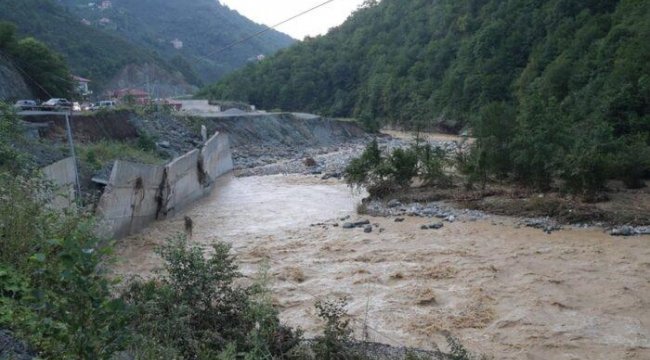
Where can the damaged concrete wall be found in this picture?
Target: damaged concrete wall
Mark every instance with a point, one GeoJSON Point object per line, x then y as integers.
{"type": "Point", "coordinates": [183, 184]}
{"type": "Point", "coordinates": [138, 194]}
{"type": "Point", "coordinates": [62, 175]}
{"type": "Point", "coordinates": [217, 159]}
{"type": "Point", "coordinates": [130, 199]}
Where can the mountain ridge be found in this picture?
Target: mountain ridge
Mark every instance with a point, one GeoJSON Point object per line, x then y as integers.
{"type": "Point", "coordinates": [109, 58]}
{"type": "Point", "coordinates": [191, 31]}
{"type": "Point", "coordinates": [440, 62]}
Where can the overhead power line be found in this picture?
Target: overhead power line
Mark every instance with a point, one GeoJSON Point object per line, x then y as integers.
{"type": "Point", "coordinates": [261, 32]}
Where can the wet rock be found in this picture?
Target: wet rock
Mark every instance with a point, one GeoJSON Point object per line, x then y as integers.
{"type": "Point", "coordinates": [624, 231]}
{"type": "Point", "coordinates": [545, 224]}
{"type": "Point", "coordinates": [424, 227]}
{"type": "Point", "coordinates": [328, 176]}
{"type": "Point", "coordinates": [345, 218]}
{"type": "Point", "coordinates": [348, 225]}
{"type": "Point", "coordinates": [394, 203]}
{"type": "Point", "coordinates": [399, 220]}
{"type": "Point", "coordinates": [310, 162]}
{"type": "Point", "coordinates": [436, 226]}
{"type": "Point", "coordinates": [367, 229]}
{"type": "Point", "coordinates": [361, 222]}
{"type": "Point", "coordinates": [643, 230]}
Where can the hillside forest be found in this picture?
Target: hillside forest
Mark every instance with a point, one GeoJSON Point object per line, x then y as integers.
{"type": "Point", "coordinates": [103, 44]}
{"type": "Point", "coordinates": [550, 89]}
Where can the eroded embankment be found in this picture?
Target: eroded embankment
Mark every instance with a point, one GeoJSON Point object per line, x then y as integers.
{"type": "Point", "coordinates": [256, 139]}
{"type": "Point", "coordinates": [507, 291]}
{"type": "Point", "coordinates": [262, 139]}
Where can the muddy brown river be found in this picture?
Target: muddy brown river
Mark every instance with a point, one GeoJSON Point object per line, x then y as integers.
{"type": "Point", "coordinates": [512, 293]}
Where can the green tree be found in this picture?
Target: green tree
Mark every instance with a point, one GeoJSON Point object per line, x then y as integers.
{"type": "Point", "coordinates": [494, 130]}
{"type": "Point", "coordinates": [540, 142]}
{"type": "Point", "coordinates": [588, 161]}
{"type": "Point", "coordinates": [7, 34]}
{"type": "Point", "coordinates": [48, 74]}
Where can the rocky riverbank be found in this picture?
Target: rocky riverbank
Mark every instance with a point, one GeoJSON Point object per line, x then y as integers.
{"type": "Point", "coordinates": [547, 213]}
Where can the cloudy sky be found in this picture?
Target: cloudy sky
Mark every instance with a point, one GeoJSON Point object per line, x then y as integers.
{"type": "Point", "coordinates": [271, 12]}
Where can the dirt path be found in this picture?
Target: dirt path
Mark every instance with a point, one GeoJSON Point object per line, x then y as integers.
{"type": "Point", "coordinates": [515, 293]}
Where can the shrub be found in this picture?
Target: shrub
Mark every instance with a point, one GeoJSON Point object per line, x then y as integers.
{"type": "Point", "coordinates": [358, 171]}
{"type": "Point", "coordinates": [334, 343]}
{"type": "Point", "coordinates": [54, 294]}
{"type": "Point", "coordinates": [196, 308]}
{"type": "Point", "coordinates": [10, 134]}
{"type": "Point", "coordinates": [402, 166]}
{"type": "Point", "coordinates": [146, 142]}
{"type": "Point", "coordinates": [432, 163]}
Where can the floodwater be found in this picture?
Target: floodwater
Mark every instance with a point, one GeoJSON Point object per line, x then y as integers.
{"type": "Point", "coordinates": [508, 292]}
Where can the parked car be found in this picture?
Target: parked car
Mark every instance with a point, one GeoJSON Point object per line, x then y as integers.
{"type": "Point", "coordinates": [25, 105]}
{"type": "Point", "coordinates": [57, 104]}
{"type": "Point", "coordinates": [107, 104]}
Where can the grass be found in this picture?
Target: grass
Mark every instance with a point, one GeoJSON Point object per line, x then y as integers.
{"type": "Point", "coordinates": [97, 154]}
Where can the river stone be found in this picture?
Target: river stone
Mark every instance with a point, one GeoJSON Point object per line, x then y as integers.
{"type": "Point", "coordinates": [361, 222]}
{"type": "Point", "coordinates": [436, 226]}
{"type": "Point", "coordinates": [348, 225]}
{"type": "Point", "coordinates": [165, 144]}
{"type": "Point", "coordinates": [623, 231]}
{"type": "Point", "coordinates": [394, 203]}
{"type": "Point", "coordinates": [367, 229]}
{"type": "Point", "coordinates": [643, 230]}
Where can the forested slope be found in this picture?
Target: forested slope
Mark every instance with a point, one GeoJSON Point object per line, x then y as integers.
{"type": "Point", "coordinates": [442, 61]}
{"type": "Point", "coordinates": [28, 67]}
{"type": "Point", "coordinates": [203, 27]}
{"type": "Point", "coordinates": [88, 52]}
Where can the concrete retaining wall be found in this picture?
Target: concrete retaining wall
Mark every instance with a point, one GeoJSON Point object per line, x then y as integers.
{"type": "Point", "coordinates": [138, 194]}
{"type": "Point", "coordinates": [217, 159]}
{"type": "Point", "coordinates": [62, 175]}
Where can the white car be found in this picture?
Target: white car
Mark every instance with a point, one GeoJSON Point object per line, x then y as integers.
{"type": "Point", "coordinates": [107, 104]}
{"type": "Point", "coordinates": [57, 104]}
{"type": "Point", "coordinates": [25, 105]}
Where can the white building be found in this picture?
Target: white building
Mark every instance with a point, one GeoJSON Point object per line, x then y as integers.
{"type": "Point", "coordinates": [177, 44]}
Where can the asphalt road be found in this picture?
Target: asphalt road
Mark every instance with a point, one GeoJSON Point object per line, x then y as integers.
{"type": "Point", "coordinates": [42, 113]}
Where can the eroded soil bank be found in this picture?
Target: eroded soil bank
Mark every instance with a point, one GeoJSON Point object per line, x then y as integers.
{"type": "Point", "coordinates": [510, 292]}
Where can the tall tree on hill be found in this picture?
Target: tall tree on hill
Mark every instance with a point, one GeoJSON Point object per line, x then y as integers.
{"type": "Point", "coordinates": [46, 72]}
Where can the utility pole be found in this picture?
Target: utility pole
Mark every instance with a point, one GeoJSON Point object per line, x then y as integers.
{"type": "Point", "coordinates": [68, 130]}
